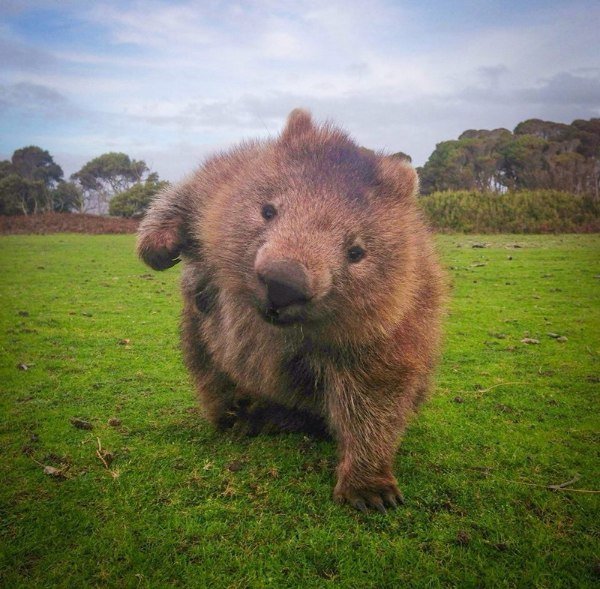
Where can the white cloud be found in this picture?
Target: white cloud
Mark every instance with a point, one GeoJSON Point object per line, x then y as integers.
{"type": "Point", "coordinates": [153, 76]}
{"type": "Point", "coordinates": [153, 24]}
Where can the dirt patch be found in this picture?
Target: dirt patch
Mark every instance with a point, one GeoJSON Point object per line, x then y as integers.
{"type": "Point", "coordinates": [66, 223]}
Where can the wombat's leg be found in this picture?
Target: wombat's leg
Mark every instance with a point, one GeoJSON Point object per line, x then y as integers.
{"type": "Point", "coordinates": [217, 398]}
{"type": "Point", "coordinates": [264, 416]}
{"type": "Point", "coordinates": [163, 234]}
{"type": "Point", "coordinates": [367, 426]}
{"type": "Point", "coordinates": [297, 421]}
{"type": "Point", "coordinates": [216, 392]}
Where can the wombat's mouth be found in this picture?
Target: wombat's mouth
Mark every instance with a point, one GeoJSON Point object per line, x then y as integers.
{"type": "Point", "coordinates": [282, 317]}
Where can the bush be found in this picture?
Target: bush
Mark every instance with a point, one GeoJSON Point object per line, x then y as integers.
{"type": "Point", "coordinates": [135, 201]}
{"type": "Point", "coordinates": [526, 211]}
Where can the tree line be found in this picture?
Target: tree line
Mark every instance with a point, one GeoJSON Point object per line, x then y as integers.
{"type": "Point", "coordinates": [32, 182]}
{"type": "Point", "coordinates": [537, 155]}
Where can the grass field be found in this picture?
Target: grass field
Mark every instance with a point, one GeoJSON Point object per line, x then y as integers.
{"type": "Point", "coordinates": [155, 498]}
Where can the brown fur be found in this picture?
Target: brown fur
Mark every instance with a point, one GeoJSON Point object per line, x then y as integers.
{"type": "Point", "coordinates": [356, 359]}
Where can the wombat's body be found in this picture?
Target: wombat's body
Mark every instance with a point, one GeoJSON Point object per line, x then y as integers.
{"type": "Point", "coordinates": [312, 294]}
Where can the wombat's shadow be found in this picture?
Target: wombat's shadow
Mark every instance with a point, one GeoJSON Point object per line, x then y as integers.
{"type": "Point", "coordinates": [193, 429]}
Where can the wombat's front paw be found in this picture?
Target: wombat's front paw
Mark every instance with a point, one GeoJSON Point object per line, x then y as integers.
{"type": "Point", "coordinates": [161, 250]}
{"type": "Point", "coordinates": [227, 420]}
{"type": "Point", "coordinates": [373, 494]}
{"type": "Point", "coordinates": [245, 418]}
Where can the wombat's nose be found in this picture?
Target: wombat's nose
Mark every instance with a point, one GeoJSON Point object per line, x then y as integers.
{"type": "Point", "coordinates": [286, 283]}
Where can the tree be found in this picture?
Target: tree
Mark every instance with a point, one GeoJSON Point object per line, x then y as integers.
{"type": "Point", "coordinates": [472, 162]}
{"type": "Point", "coordinates": [589, 147]}
{"type": "Point", "coordinates": [35, 163]}
{"type": "Point", "coordinates": [6, 169]}
{"type": "Point", "coordinates": [67, 197]}
{"type": "Point", "coordinates": [524, 162]}
{"type": "Point", "coordinates": [588, 133]}
{"type": "Point", "coordinates": [543, 129]}
{"type": "Point", "coordinates": [447, 169]}
{"type": "Point", "coordinates": [135, 201]}
{"type": "Point", "coordinates": [31, 175]}
{"type": "Point", "coordinates": [19, 196]}
{"type": "Point", "coordinates": [103, 177]}
{"type": "Point", "coordinates": [401, 156]}
{"type": "Point", "coordinates": [538, 155]}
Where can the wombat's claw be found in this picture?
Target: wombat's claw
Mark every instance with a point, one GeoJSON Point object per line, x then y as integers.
{"type": "Point", "coordinates": [377, 503]}
{"type": "Point", "coordinates": [396, 498]}
{"type": "Point", "coordinates": [391, 500]}
{"type": "Point", "coordinates": [390, 496]}
{"type": "Point", "coordinates": [360, 505]}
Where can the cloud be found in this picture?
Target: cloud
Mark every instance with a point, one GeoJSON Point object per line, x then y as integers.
{"type": "Point", "coordinates": [177, 79]}
{"type": "Point", "coordinates": [492, 74]}
{"type": "Point", "coordinates": [153, 24]}
{"type": "Point", "coordinates": [33, 99]}
{"type": "Point", "coordinates": [567, 89]}
{"type": "Point", "coordinates": [564, 90]}
{"type": "Point", "coordinates": [22, 57]}
{"type": "Point", "coordinates": [15, 7]}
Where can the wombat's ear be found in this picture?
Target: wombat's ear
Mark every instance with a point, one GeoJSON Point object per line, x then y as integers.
{"type": "Point", "coordinates": [299, 122]}
{"type": "Point", "coordinates": [398, 179]}
{"type": "Point", "coordinates": [162, 235]}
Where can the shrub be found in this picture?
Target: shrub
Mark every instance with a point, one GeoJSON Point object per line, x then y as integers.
{"type": "Point", "coordinates": [526, 211]}
{"type": "Point", "coordinates": [135, 201]}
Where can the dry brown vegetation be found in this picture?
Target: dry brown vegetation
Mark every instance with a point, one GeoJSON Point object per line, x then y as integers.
{"type": "Point", "coordinates": [65, 223]}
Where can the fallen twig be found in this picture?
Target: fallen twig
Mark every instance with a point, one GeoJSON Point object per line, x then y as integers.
{"type": "Point", "coordinates": [103, 455]}
{"type": "Point", "coordinates": [564, 485]}
{"type": "Point", "coordinates": [57, 473]}
{"type": "Point", "coordinates": [500, 384]}
{"type": "Point", "coordinates": [560, 487]}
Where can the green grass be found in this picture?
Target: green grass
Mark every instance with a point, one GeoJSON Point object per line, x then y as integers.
{"type": "Point", "coordinates": [506, 420]}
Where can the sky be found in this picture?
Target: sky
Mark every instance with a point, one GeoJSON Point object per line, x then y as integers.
{"type": "Point", "coordinates": [172, 82]}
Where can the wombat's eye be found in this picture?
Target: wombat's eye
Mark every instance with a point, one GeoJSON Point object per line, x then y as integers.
{"type": "Point", "coordinates": [356, 254]}
{"type": "Point", "coordinates": [268, 212]}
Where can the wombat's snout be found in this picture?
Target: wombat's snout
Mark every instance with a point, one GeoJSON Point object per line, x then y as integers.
{"type": "Point", "coordinates": [286, 282]}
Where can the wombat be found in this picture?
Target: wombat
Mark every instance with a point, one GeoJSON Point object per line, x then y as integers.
{"type": "Point", "coordinates": [312, 294]}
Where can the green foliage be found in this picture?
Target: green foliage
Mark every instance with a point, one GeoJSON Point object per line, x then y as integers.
{"type": "Point", "coordinates": [588, 133]}
{"type": "Point", "coordinates": [107, 175]}
{"type": "Point", "coordinates": [67, 197]}
{"type": "Point", "coordinates": [36, 164]}
{"type": "Point", "coordinates": [20, 196]}
{"type": "Point", "coordinates": [523, 160]}
{"type": "Point", "coordinates": [6, 169]}
{"type": "Point", "coordinates": [401, 156]}
{"type": "Point", "coordinates": [473, 162]}
{"type": "Point", "coordinates": [116, 170]}
{"type": "Point", "coordinates": [398, 155]}
{"type": "Point", "coordinates": [538, 155]}
{"type": "Point", "coordinates": [545, 129]}
{"type": "Point", "coordinates": [135, 201]}
{"type": "Point", "coordinates": [525, 211]}
{"type": "Point", "coordinates": [99, 335]}
{"type": "Point", "coordinates": [28, 182]}
{"type": "Point", "coordinates": [32, 183]}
